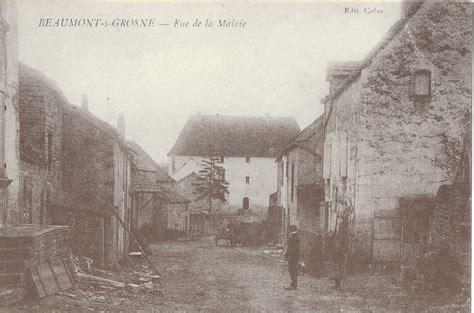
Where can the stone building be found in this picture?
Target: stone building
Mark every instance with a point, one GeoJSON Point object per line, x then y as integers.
{"type": "Point", "coordinates": [75, 170]}
{"type": "Point", "coordinates": [392, 119]}
{"type": "Point", "coordinates": [24, 248]}
{"type": "Point", "coordinates": [147, 177]}
{"type": "Point", "coordinates": [40, 145]}
{"type": "Point", "coordinates": [300, 190]}
{"type": "Point", "coordinates": [247, 147]}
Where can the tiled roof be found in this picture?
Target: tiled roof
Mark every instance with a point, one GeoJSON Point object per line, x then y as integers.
{"type": "Point", "coordinates": [32, 77]}
{"type": "Point", "coordinates": [341, 68]}
{"type": "Point", "coordinates": [144, 162]}
{"type": "Point", "coordinates": [311, 138]}
{"type": "Point", "coordinates": [169, 194]}
{"type": "Point", "coordinates": [239, 136]}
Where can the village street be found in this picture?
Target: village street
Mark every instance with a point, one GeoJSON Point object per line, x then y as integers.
{"type": "Point", "coordinates": [198, 276]}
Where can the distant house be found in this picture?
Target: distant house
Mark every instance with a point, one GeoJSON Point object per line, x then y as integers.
{"type": "Point", "coordinates": [300, 190]}
{"type": "Point", "coordinates": [147, 177]}
{"type": "Point", "coordinates": [157, 202]}
{"type": "Point", "coordinates": [247, 147]}
{"type": "Point", "coordinates": [198, 208]}
{"type": "Point", "coordinates": [173, 213]}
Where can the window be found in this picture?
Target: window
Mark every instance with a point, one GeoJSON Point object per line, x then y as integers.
{"type": "Point", "coordinates": [286, 169]}
{"type": "Point", "coordinates": [292, 182]}
{"type": "Point", "coordinates": [247, 179]}
{"type": "Point", "coordinates": [420, 89]}
{"type": "Point", "coordinates": [245, 203]}
{"type": "Point", "coordinates": [222, 159]}
{"type": "Point", "coordinates": [247, 159]}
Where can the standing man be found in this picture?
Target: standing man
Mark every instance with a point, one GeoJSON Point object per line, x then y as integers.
{"type": "Point", "coordinates": [292, 254]}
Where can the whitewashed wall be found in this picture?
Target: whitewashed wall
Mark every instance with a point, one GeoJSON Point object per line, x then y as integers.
{"type": "Point", "coordinates": [262, 173]}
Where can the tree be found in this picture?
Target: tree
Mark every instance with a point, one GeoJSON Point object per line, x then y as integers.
{"type": "Point", "coordinates": [211, 183]}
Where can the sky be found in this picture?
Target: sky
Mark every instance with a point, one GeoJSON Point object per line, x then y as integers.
{"type": "Point", "coordinates": [158, 76]}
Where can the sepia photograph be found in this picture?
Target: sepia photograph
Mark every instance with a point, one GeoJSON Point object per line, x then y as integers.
{"type": "Point", "coordinates": [235, 156]}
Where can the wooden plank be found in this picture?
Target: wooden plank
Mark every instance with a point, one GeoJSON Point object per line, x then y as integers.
{"type": "Point", "coordinates": [69, 274]}
{"type": "Point", "coordinates": [38, 284]}
{"type": "Point", "coordinates": [54, 275]}
{"type": "Point", "coordinates": [60, 272]}
{"type": "Point", "coordinates": [64, 281]}
{"type": "Point", "coordinates": [48, 279]}
{"type": "Point", "coordinates": [58, 267]}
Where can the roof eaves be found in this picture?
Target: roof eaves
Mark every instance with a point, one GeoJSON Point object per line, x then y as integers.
{"type": "Point", "coordinates": [391, 34]}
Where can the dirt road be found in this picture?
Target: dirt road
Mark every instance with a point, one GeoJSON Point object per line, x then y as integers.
{"type": "Point", "coordinates": [205, 277]}
{"type": "Point", "coordinates": [198, 276]}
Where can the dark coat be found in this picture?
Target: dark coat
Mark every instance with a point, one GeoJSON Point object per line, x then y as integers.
{"type": "Point", "coordinates": [293, 248]}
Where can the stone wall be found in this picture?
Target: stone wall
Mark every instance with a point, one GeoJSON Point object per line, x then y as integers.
{"type": "Point", "coordinates": [262, 173]}
{"type": "Point", "coordinates": [403, 143]}
{"type": "Point", "coordinates": [40, 146]}
{"type": "Point", "coordinates": [74, 165]}
{"type": "Point", "coordinates": [92, 162]}
{"type": "Point", "coordinates": [451, 222]}
{"type": "Point", "coordinates": [88, 159]}
{"type": "Point", "coordinates": [398, 146]}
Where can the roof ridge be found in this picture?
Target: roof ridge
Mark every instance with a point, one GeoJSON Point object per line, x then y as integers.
{"type": "Point", "coordinates": [239, 136]}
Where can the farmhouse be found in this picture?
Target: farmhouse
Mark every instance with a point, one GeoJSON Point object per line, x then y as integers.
{"type": "Point", "coordinates": [394, 124]}
{"type": "Point", "coordinates": [247, 147]}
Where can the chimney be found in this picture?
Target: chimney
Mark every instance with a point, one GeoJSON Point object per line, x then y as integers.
{"type": "Point", "coordinates": [409, 7]}
{"type": "Point", "coordinates": [84, 103]}
{"type": "Point", "coordinates": [121, 125]}
{"type": "Point", "coordinates": [337, 72]}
